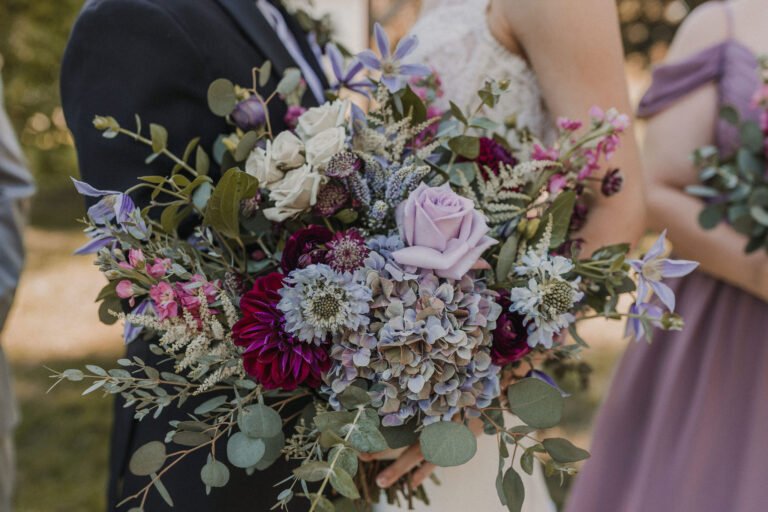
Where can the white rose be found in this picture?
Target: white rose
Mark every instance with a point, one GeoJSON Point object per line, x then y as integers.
{"type": "Point", "coordinates": [294, 194]}
{"type": "Point", "coordinates": [322, 147]}
{"type": "Point", "coordinates": [286, 151]}
{"type": "Point", "coordinates": [261, 166]}
{"type": "Point", "coordinates": [318, 119]}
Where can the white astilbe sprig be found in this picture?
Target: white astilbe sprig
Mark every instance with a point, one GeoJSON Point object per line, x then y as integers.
{"type": "Point", "coordinates": [202, 345]}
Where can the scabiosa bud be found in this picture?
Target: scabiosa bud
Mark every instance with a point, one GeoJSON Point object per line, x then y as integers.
{"type": "Point", "coordinates": [249, 114]}
{"type": "Point", "coordinates": [342, 165]}
{"type": "Point", "coordinates": [347, 251]}
{"type": "Point", "coordinates": [292, 116]}
{"type": "Point", "coordinates": [612, 182]}
{"type": "Point", "coordinates": [249, 207]}
{"type": "Point", "coordinates": [331, 199]}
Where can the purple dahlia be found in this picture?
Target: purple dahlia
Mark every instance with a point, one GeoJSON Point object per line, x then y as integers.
{"type": "Point", "coordinates": [273, 357]}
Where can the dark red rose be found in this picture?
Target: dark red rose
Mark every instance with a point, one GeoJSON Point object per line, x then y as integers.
{"type": "Point", "coordinates": [273, 358]}
{"type": "Point", "coordinates": [510, 338]}
{"type": "Point", "coordinates": [305, 247]}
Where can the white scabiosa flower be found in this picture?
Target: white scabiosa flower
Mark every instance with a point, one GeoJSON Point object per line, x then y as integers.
{"type": "Point", "coordinates": [548, 299]}
{"type": "Point", "coordinates": [318, 302]}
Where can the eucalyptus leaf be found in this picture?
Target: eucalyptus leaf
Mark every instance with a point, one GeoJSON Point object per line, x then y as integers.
{"type": "Point", "coordinates": [159, 137]}
{"type": "Point", "coordinates": [536, 403]}
{"type": "Point", "coordinates": [343, 483]}
{"type": "Point", "coordinates": [259, 421]}
{"type": "Point", "coordinates": [711, 216]}
{"type": "Point", "coordinates": [514, 490]}
{"type": "Point", "coordinates": [400, 436]}
{"type": "Point", "coordinates": [367, 438]}
{"type": "Point", "coordinates": [354, 397]}
{"type": "Point", "coordinates": [289, 82]}
{"type": "Point", "coordinates": [148, 459]}
{"type": "Point", "coordinates": [273, 450]}
{"type": "Point", "coordinates": [562, 450]}
{"type": "Point", "coordinates": [192, 439]}
{"type": "Point", "coordinates": [202, 162]}
{"type": "Point", "coordinates": [221, 97]}
{"type": "Point", "coordinates": [752, 136]}
{"type": "Point", "coordinates": [730, 114]}
{"type": "Point", "coordinates": [466, 146]}
{"type": "Point", "coordinates": [446, 444]}
{"type": "Point", "coordinates": [243, 451]}
{"type": "Point", "coordinates": [215, 474]}
{"type": "Point", "coordinates": [246, 145]}
{"type": "Point", "coordinates": [264, 73]}
{"type": "Point", "coordinates": [73, 375]}
{"type": "Point", "coordinates": [345, 458]}
{"type": "Point", "coordinates": [210, 405]}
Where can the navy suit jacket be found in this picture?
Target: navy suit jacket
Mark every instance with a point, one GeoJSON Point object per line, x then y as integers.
{"type": "Point", "coordinates": [156, 58]}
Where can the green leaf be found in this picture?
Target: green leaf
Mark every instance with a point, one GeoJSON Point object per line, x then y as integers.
{"type": "Point", "coordinates": [536, 403]}
{"type": "Point", "coordinates": [313, 471]}
{"type": "Point", "coordinates": [161, 489]}
{"type": "Point", "coordinates": [711, 216]}
{"type": "Point", "coordinates": [367, 438]}
{"type": "Point", "coordinates": [750, 164]}
{"type": "Point", "coordinates": [463, 173]}
{"type": "Point", "coordinates": [701, 191]}
{"type": "Point", "coordinates": [466, 146]}
{"type": "Point", "coordinates": [273, 450]}
{"type": "Point", "coordinates": [400, 436]}
{"type": "Point", "coordinates": [526, 461]}
{"type": "Point", "coordinates": [223, 211]}
{"type": "Point", "coordinates": [514, 490]}
{"type": "Point", "coordinates": [354, 397]}
{"type": "Point", "coordinates": [107, 307]}
{"type": "Point", "coordinates": [347, 216]}
{"type": "Point", "coordinates": [243, 451]}
{"type": "Point", "coordinates": [246, 145]}
{"type": "Point", "coordinates": [210, 405]}
{"type": "Point", "coordinates": [561, 211]}
{"type": "Point", "coordinates": [562, 450]}
{"type": "Point", "coordinates": [264, 73]}
{"type": "Point", "coordinates": [457, 113]}
{"type": "Point", "coordinates": [752, 137]}
{"type": "Point", "coordinates": [202, 162]}
{"type": "Point", "coordinates": [323, 504]}
{"type": "Point", "coordinates": [259, 421]}
{"type": "Point", "coordinates": [187, 438]}
{"type": "Point", "coordinates": [346, 458]}
{"type": "Point", "coordinates": [413, 105]}
{"type": "Point", "coordinates": [289, 82]}
{"type": "Point", "coordinates": [221, 97]}
{"type": "Point", "coordinates": [201, 195]}
{"type": "Point", "coordinates": [730, 114]}
{"type": "Point", "coordinates": [507, 256]}
{"type": "Point", "coordinates": [159, 137]}
{"type": "Point", "coordinates": [343, 483]}
{"type": "Point", "coordinates": [446, 444]}
{"type": "Point", "coordinates": [148, 459]}
{"type": "Point", "coordinates": [73, 375]}
{"type": "Point", "coordinates": [215, 474]}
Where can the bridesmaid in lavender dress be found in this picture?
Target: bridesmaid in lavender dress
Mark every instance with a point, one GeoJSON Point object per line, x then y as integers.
{"type": "Point", "coordinates": [684, 427]}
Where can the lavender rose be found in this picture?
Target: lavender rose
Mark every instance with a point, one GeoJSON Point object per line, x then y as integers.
{"type": "Point", "coordinates": [442, 231]}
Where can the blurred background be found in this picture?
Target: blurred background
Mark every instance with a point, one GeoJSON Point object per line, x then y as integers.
{"type": "Point", "coordinates": [54, 322]}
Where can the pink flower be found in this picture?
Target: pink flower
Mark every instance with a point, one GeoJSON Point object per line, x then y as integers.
{"type": "Point", "coordinates": [292, 116]}
{"type": "Point", "coordinates": [188, 293]}
{"type": "Point", "coordinates": [597, 114]}
{"type": "Point", "coordinates": [136, 258]}
{"type": "Point", "coordinates": [557, 183]}
{"type": "Point", "coordinates": [570, 125]}
{"type": "Point", "coordinates": [124, 290]}
{"type": "Point", "coordinates": [442, 230]}
{"type": "Point", "coordinates": [159, 268]}
{"type": "Point", "coordinates": [164, 297]}
{"type": "Point", "coordinates": [541, 153]}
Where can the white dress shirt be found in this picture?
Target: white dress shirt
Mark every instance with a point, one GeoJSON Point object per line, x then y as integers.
{"type": "Point", "coordinates": [277, 22]}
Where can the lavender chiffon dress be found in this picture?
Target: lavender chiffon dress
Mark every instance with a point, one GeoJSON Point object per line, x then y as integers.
{"type": "Point", "coordinates": [685, 426]}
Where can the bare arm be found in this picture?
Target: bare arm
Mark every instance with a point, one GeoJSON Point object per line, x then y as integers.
{"type": "Point", "coordinates": [575, 50]}
{"type": "Point", "coordinates": [671, 138]}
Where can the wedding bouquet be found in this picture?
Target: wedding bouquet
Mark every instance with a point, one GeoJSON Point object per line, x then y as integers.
{"type": "Point", "coordinates": [736, 187]}
{"type": "Point", "coordinates": [389, 268]}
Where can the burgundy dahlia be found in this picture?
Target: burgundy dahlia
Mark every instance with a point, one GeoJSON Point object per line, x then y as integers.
{"type": "Point", "coordinates": [305, 247]}
{"type": "Point", "coordinates": [274, 358]}
{"type": "Point", "coordinates": [492, 155]}
{"type": "Point", "coordinates": [510, 339]}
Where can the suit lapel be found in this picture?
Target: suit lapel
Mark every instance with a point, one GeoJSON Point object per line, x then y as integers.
{"type": "Point", "coordinates": [257, 29]}
{"type": "Point", "coordinates": [301, 38]}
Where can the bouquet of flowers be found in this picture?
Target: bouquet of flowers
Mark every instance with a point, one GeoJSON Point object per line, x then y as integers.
{"type": "Point", "coordinates": [389, 268]}
{"type": "Point", "coordinates": [735, 188]}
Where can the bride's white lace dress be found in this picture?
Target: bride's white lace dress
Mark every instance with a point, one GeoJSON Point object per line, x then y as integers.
{"type": "Point", "coordinates": [454, 39]}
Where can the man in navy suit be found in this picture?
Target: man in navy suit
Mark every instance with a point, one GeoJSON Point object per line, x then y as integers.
{"type": "Point", "coordinates": [156, 58]}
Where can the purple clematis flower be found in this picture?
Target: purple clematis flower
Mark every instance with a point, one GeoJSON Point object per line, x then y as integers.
{"type": "Point", "coordinates": [346, 77]}
{"type": "Point", "coordinates": [115, 206]}
{"type": "Point", "coordinates": [393, 70]}
{"type": "Point", "coordinates": [636, 328]}
{"type": "Point", "coordinates": [652, 268]}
